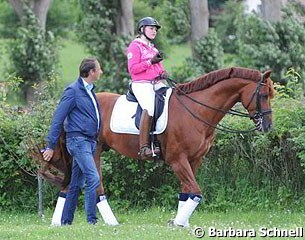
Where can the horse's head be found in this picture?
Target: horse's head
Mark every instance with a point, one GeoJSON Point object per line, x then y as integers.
{"type": "Point", "coordinates": [256, 99]}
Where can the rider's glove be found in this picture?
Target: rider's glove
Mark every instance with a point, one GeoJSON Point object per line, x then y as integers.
{"type": "Point", "coordinates": [164, 75]}
{"type": "Point", "coordinates": [157, 58]}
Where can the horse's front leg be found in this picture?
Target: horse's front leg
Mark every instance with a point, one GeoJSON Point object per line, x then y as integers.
{"type": "Point", "coordinates": [102, 202]}
{"type": "Point", "coordinates": [190, 196]}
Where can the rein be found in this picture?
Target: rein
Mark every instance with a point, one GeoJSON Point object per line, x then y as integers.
{"type": "Point", "coordinates": [257, 116]}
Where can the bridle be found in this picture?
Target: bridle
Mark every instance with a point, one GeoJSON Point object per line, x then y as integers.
{"type": "Point", "coordinates": [258, 116]}
{"type": "Point", "coordinates": [259, 113]}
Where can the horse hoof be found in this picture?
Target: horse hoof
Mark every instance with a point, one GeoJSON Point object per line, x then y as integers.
{"type": "Point", "coordinates": [171, 223]}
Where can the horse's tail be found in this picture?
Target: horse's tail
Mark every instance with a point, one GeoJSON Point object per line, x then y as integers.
{"type": "Point", "coordinates": [58, 170]}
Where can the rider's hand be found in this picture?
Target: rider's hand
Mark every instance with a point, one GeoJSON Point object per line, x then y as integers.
{"type": "Point", "coordinates": [164, 75]}
{"type": "Point", "coordinates": [48, 154]}
{"type": "Point", "coordinates": [157, 58]}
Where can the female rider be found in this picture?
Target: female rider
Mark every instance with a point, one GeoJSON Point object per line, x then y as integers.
{"type": "Point", "coordinates": [147, 72]}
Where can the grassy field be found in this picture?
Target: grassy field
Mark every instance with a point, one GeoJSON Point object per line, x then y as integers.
{"type": "Point", "coordinates": [70, 55]}
{"type": "Point", "coordinates": [144, 225]}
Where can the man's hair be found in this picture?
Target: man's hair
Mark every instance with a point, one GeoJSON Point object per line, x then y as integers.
{"type": "Point", "coordinates": [86, 65]}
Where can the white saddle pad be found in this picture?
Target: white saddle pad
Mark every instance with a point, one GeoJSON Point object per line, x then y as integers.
{"type": "Point", "coordinates": [122, 120]}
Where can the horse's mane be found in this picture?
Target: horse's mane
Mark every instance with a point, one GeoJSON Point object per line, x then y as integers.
{"type": "Point", "coordinates": [214, 77]}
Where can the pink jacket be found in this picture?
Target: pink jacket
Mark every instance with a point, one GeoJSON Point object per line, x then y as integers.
{"type": "Point", "coordinates": [139, 55]}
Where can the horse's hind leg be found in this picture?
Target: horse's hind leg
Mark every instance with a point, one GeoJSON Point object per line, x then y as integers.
{"type": "Point", "coordinates": [97, 159]}
{"type": "Point", "coordinates": [190, 196]}
{"type": "Point", "coordinates": [102, 203]}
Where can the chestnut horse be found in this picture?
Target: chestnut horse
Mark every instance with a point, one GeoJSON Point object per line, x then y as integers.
{"type": "Point", "coordinates": [195, 109]}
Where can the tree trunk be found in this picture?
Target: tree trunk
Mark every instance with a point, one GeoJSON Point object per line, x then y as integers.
{"type": "Point", "coordinates": [271, 9]}
{"type": "Point", "coordinates": [199, 20]}
{"type": "Point", "coordinates": [125, 19]}
{"type": "Point", "coordinates": [39, 7]}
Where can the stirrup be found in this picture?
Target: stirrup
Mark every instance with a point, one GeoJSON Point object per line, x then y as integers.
{"type": "Point", "coordinates": [155, 150]}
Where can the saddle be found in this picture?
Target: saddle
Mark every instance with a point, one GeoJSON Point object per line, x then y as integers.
{"type": "Point", "coordinates": [159, 106]}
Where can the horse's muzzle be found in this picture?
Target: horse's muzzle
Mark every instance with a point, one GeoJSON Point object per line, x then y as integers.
{"type": "Point", "coordinates": [267, 127]}
{"type": "Point", "coordinates": [263, 121]}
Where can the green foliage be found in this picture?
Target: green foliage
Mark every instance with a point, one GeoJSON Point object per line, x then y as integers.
{"type": "Point", "coordinates": [8, 20]}
{"type": "Point", "coordinates": [246, 171]}
{"type": "Point", "coordinates": [186, 71]}
{"type": "Point", "coordinates": [258, 45]}
{"type": "Point", "coordinates": [63, 17]}
{"type": "Point", "coordinates": [98, 32]}
{"type": "Point", "coordinates": [153, 181]}
{"type": "Point", "coordinates": [209, 52]}
{"type": "Point", "coordinates": [208, 57]}
{"type": "Point", "coordinates": [226, 24]}
{"type": "Point", "coordinates": [261, 44]}
{"type": "Point", "coordinates": [291, 41]}
{"type": "Point", "coordinates": [177, 20]}
{"type": "Point", "coordinates": [33, 53]}
{"type": "Point", "coordinates": [258, 170]}
{"type": "Point", "coordinates": [278, 46]}
{"type": "Point", "coordinates": [20, 131]}
{"type": "Point", "coordinates": [293, 88]}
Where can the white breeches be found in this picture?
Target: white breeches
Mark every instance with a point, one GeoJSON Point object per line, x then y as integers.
{"type": "Point", "coordinates": [145, 94]}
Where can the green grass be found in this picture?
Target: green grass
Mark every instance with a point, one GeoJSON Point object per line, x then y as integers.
{"type": "Point", "coordinates": [144, 225]}
{"type": "Point", "coordinates": [70, 56]}
{"type": "Point", "coordinates": [176, 56]}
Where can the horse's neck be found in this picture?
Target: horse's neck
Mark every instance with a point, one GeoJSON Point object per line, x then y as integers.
{"type": "Point", "coordinates": [223, 95]}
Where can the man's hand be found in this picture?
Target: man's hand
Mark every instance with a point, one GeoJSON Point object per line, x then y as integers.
{"type": "Point", "coordinates": [157, 58]}
{"type": "Point", "coordinates": [48, 154]}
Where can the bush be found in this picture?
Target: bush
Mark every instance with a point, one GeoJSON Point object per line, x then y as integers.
{"type": "Point", "coordinates": [208, 57]}
{"type": "Point", "coordinates": [33, 53]}
{"type": "Point", "coordinates": [63, 17]}
{"type": "Point", "coordinates": [226, 25]}
{"type": "Point", "coordinates": [278, 46]}
{"type": "Point", "coordinates": [209, 52]}
{"type": "Point", "coordinates": [244, 171]}
{"type": "Point", "coordinates": [21, 129]}
{"type": "Point", "coordinates": [257, 170]}
{"type": "Point", "coordinates": [138, 183]}
{"type": "Point", "coordinates": [177, 21]}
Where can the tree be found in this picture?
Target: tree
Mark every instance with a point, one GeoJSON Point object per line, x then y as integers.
{"type": "Point", "coordinates": [125, 18]}
{"type": "Point", "coordinates": [199, 20]}
{"type": "Point", "coordinates": [106, 33]}
{"type": "Point", "coordinates": [39, 7]}
{"type": "Point", "coordinates": [271, 9]}
{"type": "Point", "coordinates": [32, 51]}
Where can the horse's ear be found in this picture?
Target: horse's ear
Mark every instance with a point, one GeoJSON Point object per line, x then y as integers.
{"type": "Point", "coordinates": [267, 74]}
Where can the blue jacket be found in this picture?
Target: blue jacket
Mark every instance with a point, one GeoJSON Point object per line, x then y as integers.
{"type": "Point", "coordinates": [76, 113]}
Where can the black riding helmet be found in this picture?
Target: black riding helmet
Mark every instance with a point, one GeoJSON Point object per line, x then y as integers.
{"type": "Point", "coordinates": [147, 21]}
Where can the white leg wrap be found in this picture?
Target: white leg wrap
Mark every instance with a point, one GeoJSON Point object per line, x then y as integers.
{"type": "Point", "coordinates": [106, 212]}
{"type": "Point", "coordinates": [185, 212]}
{"type": "Point", "coordinates": [180, 206]}
{"type": "Point", "coordinates": [56, 219]}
